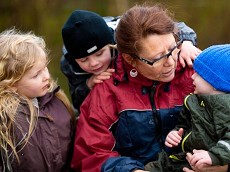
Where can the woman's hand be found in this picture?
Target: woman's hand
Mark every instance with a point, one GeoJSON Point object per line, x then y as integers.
{"type": "Point", "coordinates": [208, 169]}
{"type": "Point", "coordinates": [188, 53]}
{"type": "Point", "coordinates": [200, 158]}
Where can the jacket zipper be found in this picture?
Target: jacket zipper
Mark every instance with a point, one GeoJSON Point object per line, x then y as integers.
{"type": "Point", "coordinates": [155, 113]}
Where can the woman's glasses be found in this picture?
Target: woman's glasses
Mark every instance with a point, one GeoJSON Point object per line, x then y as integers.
{"type": "Point", "coordinates": [160, 59]}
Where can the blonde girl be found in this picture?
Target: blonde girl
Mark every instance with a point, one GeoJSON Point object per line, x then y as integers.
{"type": "Point", "coordinates": [36, 118]}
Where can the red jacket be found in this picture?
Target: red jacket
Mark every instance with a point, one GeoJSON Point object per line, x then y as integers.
{"type": "Point", "coordinates": [100, 145]}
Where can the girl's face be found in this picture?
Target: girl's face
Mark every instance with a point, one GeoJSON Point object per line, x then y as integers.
{"type": "Point", "coordinates": [97, 62]}
{"type": "Point", "coordinates": [163, 47]}
{"type": "Point", "coordinates": [35, 82]}
{"type": "Point", "coordinates": [202, 86]}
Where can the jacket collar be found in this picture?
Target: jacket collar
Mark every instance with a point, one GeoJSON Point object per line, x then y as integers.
{"type": "Point", "coordinates": [46, 98]}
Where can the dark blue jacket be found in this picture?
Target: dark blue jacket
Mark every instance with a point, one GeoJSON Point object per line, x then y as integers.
{"type": "Point", "coordinates": [119, 129]}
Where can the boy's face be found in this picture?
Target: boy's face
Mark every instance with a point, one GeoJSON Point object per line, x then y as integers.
{"type": "Point", "coordinates": [202, 86]}
{"type": "Point", "coordinates": [97, 62]}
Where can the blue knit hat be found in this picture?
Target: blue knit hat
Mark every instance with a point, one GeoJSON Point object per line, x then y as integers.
{"type": "Point", "coordinates": [213, 65]}
{"type": "Point", "coordinates": [84, 33]}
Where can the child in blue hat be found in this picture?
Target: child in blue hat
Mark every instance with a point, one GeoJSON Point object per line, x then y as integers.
{"type": "Point", "coordinates": [203, 127]}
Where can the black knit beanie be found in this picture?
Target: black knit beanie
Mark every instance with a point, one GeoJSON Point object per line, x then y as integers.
{"type": "Point", "coordinates": [84, 33]}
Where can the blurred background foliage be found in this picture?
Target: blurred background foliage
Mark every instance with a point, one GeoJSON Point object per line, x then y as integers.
{"type": "Point", "coordinates": [210, 20]}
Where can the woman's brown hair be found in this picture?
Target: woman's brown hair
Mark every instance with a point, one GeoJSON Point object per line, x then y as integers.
{"type": "Point", "coordinates": [139, 22]}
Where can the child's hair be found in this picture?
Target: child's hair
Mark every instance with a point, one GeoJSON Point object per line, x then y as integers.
{"type": "Point", "coordinates": [18, 53]}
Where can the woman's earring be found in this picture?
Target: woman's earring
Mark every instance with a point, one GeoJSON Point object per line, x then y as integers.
{"type": "Point", "coordinates": [133, 73]}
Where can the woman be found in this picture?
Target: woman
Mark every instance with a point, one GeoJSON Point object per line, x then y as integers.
{"type": "Point", "coordinates": [89, 49]}
{"type": "Point", "coordinates": [124, 120]}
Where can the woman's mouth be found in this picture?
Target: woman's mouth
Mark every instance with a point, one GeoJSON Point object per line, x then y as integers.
{"type": "Point", "coordinates": [166, 74]}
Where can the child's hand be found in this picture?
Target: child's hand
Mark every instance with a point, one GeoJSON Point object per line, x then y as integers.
{"type": "Point", "coordinates": [200, 158]}
{"type": "Point", "coordinates": [96, 79]}
{"type": "Point", "coordinates": [188, 53]}
{"type": "Point", "coordinates": [174, 138]}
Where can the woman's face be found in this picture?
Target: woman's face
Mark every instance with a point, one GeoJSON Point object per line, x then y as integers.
{"type": "Point", "coordinates": [162, 47]}
{"type": "Point", "coordinates": [97, 62]}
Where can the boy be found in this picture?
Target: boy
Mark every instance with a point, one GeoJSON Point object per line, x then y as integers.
{"type": "Point", "coordinates": [204, 127]}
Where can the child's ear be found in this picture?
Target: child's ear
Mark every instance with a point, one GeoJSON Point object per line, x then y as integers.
{"type": "Point", "coordinates": [14, 88]}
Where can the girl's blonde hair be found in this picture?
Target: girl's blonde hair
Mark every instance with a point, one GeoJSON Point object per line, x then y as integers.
{"type": "Point", "coordinates": [18, 53]}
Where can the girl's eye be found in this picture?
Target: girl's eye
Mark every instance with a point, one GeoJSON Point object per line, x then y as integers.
{"type": "Point", "coordinates": [40, 72]}
{"type": "Point", "coordinates": [35, 76]}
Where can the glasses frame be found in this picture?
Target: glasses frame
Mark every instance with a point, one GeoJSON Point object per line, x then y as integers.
{"type": "Point", "coordinates": [163, 56]}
